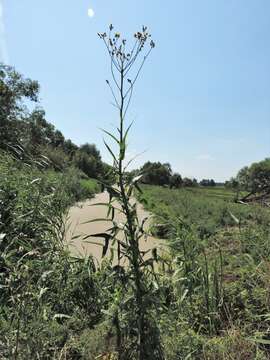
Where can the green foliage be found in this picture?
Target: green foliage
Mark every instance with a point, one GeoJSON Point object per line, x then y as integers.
{"type": "Point", "coordinates": [34, 134]}
{"type": "Point", "coordinates": [14, 89]}
{"type": "Point", "coordinates": [259, 176]}
{"type": "Point", "coordinates": [46, 296]}
{"type": "Point", "coordinates": [89, 187]}
{"type": "Point", "coordinates": [176, 181]}
{"type": "Point", "coordinates": [233, 345]}
{"type": "Point", "coordinates": [207, 182]}
{"type": "Point", "coordinates": [206, 296]}
{"type": "Point", "coordinates": [156, 173]}
{"type": "Point", "coordinates": [255, 179]}
{"type": "Point", "coordinates": [134, 308]}
{"type": "Point", "coordinates": [216, 275]}
{"type": "Point", "coordinates": [207, 209]}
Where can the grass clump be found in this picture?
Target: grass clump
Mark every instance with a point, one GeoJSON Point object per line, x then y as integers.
{"type": "Point", "coordinates": [215, 275]}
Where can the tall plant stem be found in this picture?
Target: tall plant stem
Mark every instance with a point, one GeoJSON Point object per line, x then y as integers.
{"type": "Point", "coordinates": [131, 228]}
{"type": "Point", "coordinates": [122, 62]}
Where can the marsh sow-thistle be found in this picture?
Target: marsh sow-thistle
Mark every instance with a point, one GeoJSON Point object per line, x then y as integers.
{"type": "Point", "coordinates": [126, 65]}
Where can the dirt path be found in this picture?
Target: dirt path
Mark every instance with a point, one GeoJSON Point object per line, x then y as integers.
{"type": "Point", "coordinates": [77, 229]}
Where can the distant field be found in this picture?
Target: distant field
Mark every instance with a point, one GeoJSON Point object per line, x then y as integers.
{"type": "Point", "coordinates": [218, 191]}
{"type": "Point", "coordinates": [206, 208]}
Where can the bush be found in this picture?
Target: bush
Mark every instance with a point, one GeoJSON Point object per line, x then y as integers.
{"type": "Point", "coordinates": [46, 295]}
{"type": "Point", "coordinates": [89, 188]}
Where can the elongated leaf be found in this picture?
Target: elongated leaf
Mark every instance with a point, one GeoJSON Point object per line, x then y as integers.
{"type": "Point", "coordinates": [111, 135]}
{"type": "Point", "coordinates": [99, 204]}
{"type": "Point", "coordinates": [94, 243]}
{"type": "Point", "coordinates": [184, 295]}
{"type": "Point", "coordinates": [96, 220]}
{"type": "Point", "coordinates": [109, 210]}
{"type": "Point", "coordinates": [124, 245]}
{"type": "Point", "coordinates": [137, 178]}
{"type": "Point", "coordinates": [102, 235]}
{"type": "Point", "coordinates": [110, 151]}
{"type": "Point", "coordinates": [61, 316]}
{"type": "Point", "coordinates": [139, 189]}
{"type": "Point", "coordinates": [237, 221]}
{"type": "Point", "coordinates": [106, 237]}
{"type": "Point", "coordinates": [2, 236]}
{"type": "Point", "coordinates": [113, 193]}
{"type": "Point", "coordinates": [105, 247]}
{"type": "Point", "coordinates": [113, 212]}
{"type": "Point", "coordinates": [126, 133]}
{"type": "Point", "coordinates": [259, 341]}
{"type": "Point", "coordinates": [118, 250]}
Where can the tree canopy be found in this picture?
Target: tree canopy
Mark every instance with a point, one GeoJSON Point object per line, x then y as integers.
{"type": "Point", "coordinates": [31, 130]}
{"type": "Point", "coordinates": [156, 173]}
{"type": "Point", "coordinates": [255, 179]}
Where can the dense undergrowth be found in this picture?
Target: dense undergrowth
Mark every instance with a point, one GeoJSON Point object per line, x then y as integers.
{"type": "Point", "coordinates": [217, 273]}
{"type": "Point", "coordinates": [211, 285]}
{"type": "Point", "coordinates": [45, 295]}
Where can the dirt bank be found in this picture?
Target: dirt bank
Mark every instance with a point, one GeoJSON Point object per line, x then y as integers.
{"type": "Point", "coordinates": [77, 229]}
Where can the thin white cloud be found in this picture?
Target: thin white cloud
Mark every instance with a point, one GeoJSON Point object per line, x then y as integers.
{"type": "Point", "coordinates": [3, 47]}
{"type": "Point", "coordinates": [90, 13]}
{"type": "Point", "coordinates": [205, 157]}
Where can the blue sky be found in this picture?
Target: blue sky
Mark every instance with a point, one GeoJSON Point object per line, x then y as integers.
{"type": "Point", "coordinates": [202, 102]}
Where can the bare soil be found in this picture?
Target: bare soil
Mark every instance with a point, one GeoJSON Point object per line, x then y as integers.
{"type": "Point", "coordinates": [77, 228]}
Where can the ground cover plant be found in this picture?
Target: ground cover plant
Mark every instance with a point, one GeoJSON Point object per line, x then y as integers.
{"type": "Point", "coordinates": [217, 273]}
{"type": "Point", "coordinates": [35, 291]}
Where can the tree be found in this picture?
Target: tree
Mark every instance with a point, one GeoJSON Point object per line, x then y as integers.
{"type": "Point", "coordinates": [14, 89]}
{"type": "Point", "coordinates": [208, 182]}
{"type": "Point", "coordinates": [34, 135]}
{"type": "Point", "coordinates": [86, 163]}
{"type": "Point", "coordinates": [176, 181]}
{"type": "Point", "coordinates": [70, 148]}
{"type": "Point", "coordinates": [156, 173]}
{"type": "Point", "coordinates": [233, 183]}
{"type": "Point", "coordinates": [91, 150]}
{"type": "Point", "coordinates": [195, 182]}
{"type": "Point", "coordinates": [243, 178]}
{"type": "Point", "coordinates": [88, 159]}
{"type": "Point", "coordinates": [256, 180]}
{"type": "Point", "coordinates": [187, 182]}
{"type": "Point", "coordinates": [259, 176]}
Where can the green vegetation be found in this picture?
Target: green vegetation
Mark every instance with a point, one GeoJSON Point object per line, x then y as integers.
{"type": "Point", "coordinates": [28, 130]}
{"type": "Point", "coordinates": [156, 173]}
{"type": "Point", "coordinates": [204, 294]}
{"type": "Point", "coordinates": [255, 179]}
{"type": "Point", "coordinates": [216, 273]}
{"type": "Point", "coordinates": [138, 338]}
{"type": "Point", "coordinates": [45, 295]}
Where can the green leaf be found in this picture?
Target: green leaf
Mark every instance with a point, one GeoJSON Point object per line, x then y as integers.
{"type": "Point", "coordinates": [95, 220]}
{"type": "Point", "coordinates": [259, 341]}
{"type": "Point", "coordinates": [99, 204]}
{"type": "Point", "coordinates": [61, 316]}
{"type": "Point", "coordinates": [237, 221]}
{"type": "Point", "coordinates": [140, 191]}
{"type": "Point", "coordinates": [106, 237]}
{"type": "Point", "coordinates": [126, 133]}
{"type": "Point", "coordinates": [137, 178]}
{"type": "Point", "coordinates": [111, 135]}
{"type": "Point", "coordinates": [110, 151]}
